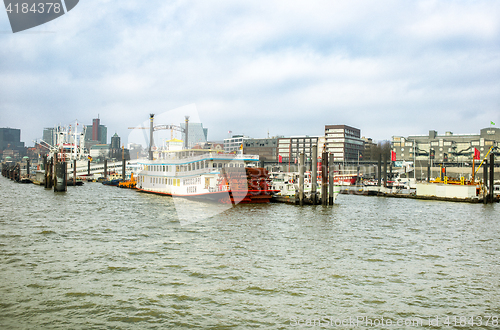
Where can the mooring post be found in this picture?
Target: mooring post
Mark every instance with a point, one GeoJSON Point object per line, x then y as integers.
{"type": "Point", "coordinates": [123, 163]}
{"type": "Point", "coordinates": [301, 178]}
{"type": "Point", "coordinates": [390, 170]}
{"type": "Point", "coordinates": [330, 179]}
{"type": "Point", "coordinates": [492, 177]}
{"type": "Point", "coordinates": [314, 174]}
{"type": "Point", "coordinates": [88, 168]}
{"type": "Point", "coordinates": [105, 168]}
{"type": "Point", "coordinates": [385, 170]}
{"type": "Point", "coordinates": [45, 171]}
{"type": "Point", "coordinates": [60, 183]}
{"type": "Point", "coordinates": [51, 173]}
{"type": "Point", "coordinates": [324, 178]}
{"type": "Point", "coordinates": [28, 168]}
{"type": "Point", "coordinates": [428, 171]}
{"type": "Point", "coordinates": [74, 172]}
{"type": "Point", "coordinates": [379, 170]}
{"type": "Point", "coordinates": [485, 182]}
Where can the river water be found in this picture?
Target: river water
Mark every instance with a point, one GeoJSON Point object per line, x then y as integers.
{"type": "Point", "coordinates": [99, 257]}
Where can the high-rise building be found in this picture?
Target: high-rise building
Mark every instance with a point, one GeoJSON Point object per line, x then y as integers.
{"type": "Point", "coordinates": [115, 142]}
{"type": "Point", "coordinates": [196, 134]}
{"type": "Point", "coordinates": [48, 135]}
{"type": "Point", "coordinates": [344, 142]}
{"type": "Point", "coordinates": [96, 134]}
{"type": "Point", "coordinates": [103, 134]}
{"type": "Point", "coordinates": [95, 129]}
{"type": "Point", "coordinates": [10, 138]}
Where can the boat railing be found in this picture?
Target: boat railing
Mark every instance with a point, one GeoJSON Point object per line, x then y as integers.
{"type": "Point", "coordinates": [212, 155]}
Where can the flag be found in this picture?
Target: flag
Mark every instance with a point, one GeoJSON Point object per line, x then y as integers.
{"type": "Point", "coordinates": [477, 155]}
{"type": "Point", "coordinates": [90, 158]}
{"type": "Point", "coordinates": [492, 123]}
{"type": "Point", "coordinates": [393, 155]}
{"type": "Point", "coordinates": [280, 159]}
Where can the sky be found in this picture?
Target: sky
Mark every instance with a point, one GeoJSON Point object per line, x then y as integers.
{"type": "Point", "coordinates": [282, 68]}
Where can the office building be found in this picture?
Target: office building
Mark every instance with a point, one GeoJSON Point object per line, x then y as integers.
{"type": "Point", "coordinates": [266, 149]}
{"type": "Point", "coordinates": [196, 134]}
{"type": "Point", "coordinates": [446, 148]}
{"type": "Point", "coordinates": [96, 134]}
{"type": "Point", "coordinates": [289, 148]}
{"type": "Point", "coordinates": [49, 135]}
{"type": "Point", "coordinates": [234, 143]}
{"type": "Point", "coordinates": [344, 142]}
{"type": "Point", "coordinates": [10, 138]}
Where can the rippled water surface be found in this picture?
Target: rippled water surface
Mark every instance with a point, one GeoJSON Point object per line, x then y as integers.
{"type": "Point", "coordinates": [99, 257]}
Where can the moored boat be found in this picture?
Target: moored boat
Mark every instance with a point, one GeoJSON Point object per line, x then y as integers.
{"type": "Point", "coordinates": [212, 176]}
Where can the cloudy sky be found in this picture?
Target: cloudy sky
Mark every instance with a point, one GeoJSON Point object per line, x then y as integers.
{"type": "Point", "coordinates": [388, 67]}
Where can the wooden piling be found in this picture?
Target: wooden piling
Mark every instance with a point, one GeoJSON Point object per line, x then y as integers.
{"type": "Point", "coordinates": [105, 168]}
{"type": "Point", "coordinates": [428, 171]}
{"type": "Point", "coordinates": [50, 177]}
{"type": "Point", "coordinates": [492, 178]}
{"type": "Point", "coordinates": [123, 163]}
{"type": "Point", "coordinates": [330, 179]}
{"type": "Point", "coordinates": [314, 174]}
{"type": "Point", "coordinates": [324, 179]}
{"type": "Point", "coordinates": [301, 178]}
{"type": "Point", "coordinates": [385, 169]}
{"type": "Point", "coordinates": [45, 171]}
{"type": "Point", "coordinates": [485, 182]}
{"type": "Point", "coordinates": [74, 173]}
{"type": "Point", "coordinates": [379, 170]}
{"type": "Point", "coordinates": [60, 177]}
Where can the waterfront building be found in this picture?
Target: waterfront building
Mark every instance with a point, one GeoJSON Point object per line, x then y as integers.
{"type": "Point", "coordinates": [289, 148]}
{"type": "Point", "coordinates": [10, 138]}
{"type": "Point", "coordinates": [234, 143]}
{"type": "Point", "coordinates": [370, 150]}
{"type": "Point", "coordinates": [136, 150]}
{"type": "Point", "coordinates": [100, 151]}
{"type": "Point", "coordinates": [115, 142]}
{"type": "Point", "coordinates": [116, 151]}
{"type": "Point", "coordinates": [265, 148]}
{"type": "Point", "coordinates": [447, 147]}
{"type": "Point", "coordinates": [96, 134]}
{"type": "Point", "coordinates": [344, 142]}
{"type": "Point", "coordinates": [48, 135]}
{"type": "Point", "coordinates": [197, 134]}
